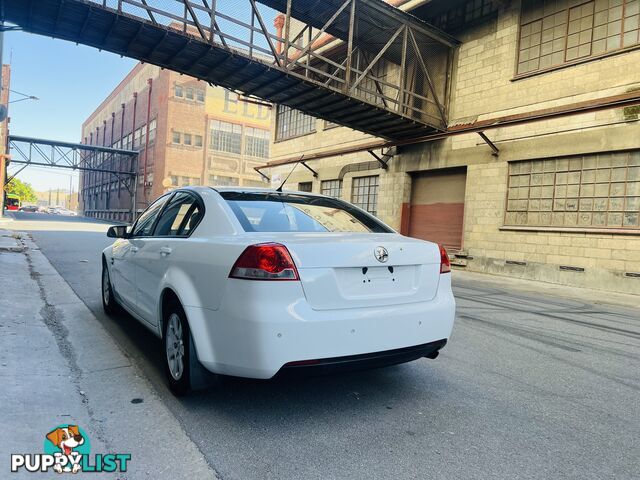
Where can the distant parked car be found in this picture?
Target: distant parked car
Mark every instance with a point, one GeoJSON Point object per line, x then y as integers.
{"type": "Point", "coordinates": [53, 210]}
{"type": "Point", "coordinates": [29, 208]}
{"type": "Point", "coordinates": [250, 283]}
{"type": "Point", "coordinates": [67, 212]}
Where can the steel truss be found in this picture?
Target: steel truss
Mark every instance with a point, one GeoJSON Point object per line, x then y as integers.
{"type": "Point", "coordinates": [113, 169]}
{"type": "Point", "coordinates": [358, 63]}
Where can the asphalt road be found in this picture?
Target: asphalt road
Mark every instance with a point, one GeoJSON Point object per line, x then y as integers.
{"type": "Point", "coordinates": [530, 386]}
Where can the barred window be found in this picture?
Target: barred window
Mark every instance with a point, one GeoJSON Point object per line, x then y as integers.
{"type": "Point", "coordinates": [198, 141]}
{"type": "Point", "coordinates": [200, 95]}
{"type": "Point", "coordinates": [331, 188]}
{"type": "Point", "coordinates": [225, 137]}
{"type": "Point", "coordinates": [223, 181]}
{"type": "Point", "coordinates": [292, 123]}
{"type": "Point", "coordinates": [364, 193]}
{"type": "Point", "coordinates": [556, 32]}
{"type": "Point", "coordinates": [590, 191]}
{"type": "Point", "coordinates": [465, 14]}
{"type": "Point", "coordinates": [187, 181]}
{"type": "Point", "coordinates": [187, 139]}
{"type": "Point", "coordinates": [152, 130]}
{"type": "Point", "coordinates": [305, 186]}
{"type": "Point", "coordinates": [176, 137]}
{"type": "Point", "coordinates": [188, 93]}
{"type": "Point", "coordinates": [256, 142]}
{"type": "Point", "coordinates": [136, 139]}
{"type": "Point", "coordinates": [143, 136]}
{"type": "Point", "coordinates": [178, 91]}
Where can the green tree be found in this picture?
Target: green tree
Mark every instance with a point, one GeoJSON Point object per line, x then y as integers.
{"type": "Point", "coordinates": [22, 189]}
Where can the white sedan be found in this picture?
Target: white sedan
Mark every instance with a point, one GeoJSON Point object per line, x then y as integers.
{"type": "Point", "coordinates": [254, 283]}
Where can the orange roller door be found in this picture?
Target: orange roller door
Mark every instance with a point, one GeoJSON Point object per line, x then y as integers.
{"type": "Point", "coordinates": [437, 207]}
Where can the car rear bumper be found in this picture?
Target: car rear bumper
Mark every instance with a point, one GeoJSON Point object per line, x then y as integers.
{"type": "Point", "coordinates": [262, 326]}
{"type": "Point", "coordinates": [361, 362]}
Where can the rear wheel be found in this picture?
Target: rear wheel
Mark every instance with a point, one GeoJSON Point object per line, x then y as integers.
{"type": "Point", "coordinates": [109, 303]}
{"type": "Point", "coordinates": [177, 350]}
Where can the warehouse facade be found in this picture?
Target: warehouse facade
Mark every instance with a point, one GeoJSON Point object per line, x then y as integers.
{"type": "Point", "coordinates": [551, 197]}
{"type": "Point", "coordinates": [186, 132]}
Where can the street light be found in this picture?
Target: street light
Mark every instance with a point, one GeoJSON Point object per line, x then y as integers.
{"type": "Point", "coordinates": [24, 95]}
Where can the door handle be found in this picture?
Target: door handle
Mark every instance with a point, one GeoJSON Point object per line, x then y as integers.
{"type": "Point", "coordinates": [164, 251]}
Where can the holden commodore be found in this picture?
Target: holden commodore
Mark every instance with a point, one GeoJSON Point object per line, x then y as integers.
{"type": "Point", "coordinates": [255, 282]}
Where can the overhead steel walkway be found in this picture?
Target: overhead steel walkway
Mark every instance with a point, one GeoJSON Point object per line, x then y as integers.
{"type": "Point", "coordinates": [113, 171]}
{"type": "Point", "coordinates": [360, 63]}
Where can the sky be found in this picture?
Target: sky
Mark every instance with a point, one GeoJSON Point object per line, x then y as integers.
{"type": "Point", "coordinates": [69, 80]}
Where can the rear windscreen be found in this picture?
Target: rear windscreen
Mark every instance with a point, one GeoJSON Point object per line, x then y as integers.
{"type": "Point", "coordinates": [283, 212]}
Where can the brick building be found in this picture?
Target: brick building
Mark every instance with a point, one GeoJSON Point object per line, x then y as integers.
{"type": "Point", "coordinates": [560, 201]}
{"type": "Point", "coordinates": [186, 131]}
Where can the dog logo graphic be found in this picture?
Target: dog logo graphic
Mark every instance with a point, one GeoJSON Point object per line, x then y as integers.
{"type": "Point", "coordinates": [67, 449]}
{"type": "Point", "coordinates": [67, 439]}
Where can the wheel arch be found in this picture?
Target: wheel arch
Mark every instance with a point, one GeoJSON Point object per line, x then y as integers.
{"type": "Point", "coordinates": [168, 297]}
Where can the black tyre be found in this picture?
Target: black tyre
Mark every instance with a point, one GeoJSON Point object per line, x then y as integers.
{"type": "Point", "coordinates": [109, 302]}
{"type": "Point", "coordinates": [177, 350]}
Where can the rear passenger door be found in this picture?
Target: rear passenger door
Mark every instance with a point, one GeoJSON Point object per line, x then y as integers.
{"type": "Point", "coordinates": [163, 249]}
{"type": "Point", "coordinates": [125, 250]}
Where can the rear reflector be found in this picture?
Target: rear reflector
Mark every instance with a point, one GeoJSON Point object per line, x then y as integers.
{"type": "Point", "coordinates": [265, 261]}
{"type": "Point", "coordinates": [445, 264]}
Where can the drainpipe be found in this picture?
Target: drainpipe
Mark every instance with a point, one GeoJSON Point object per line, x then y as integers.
{"type": "Point", "coordinates": [121, 146]}
{"type": "Point", "coordinates": [103, 175]}
{"type": "Point", "coordinates": [88, 174]}
{"type": "Point", "coordinates": [134, 168]}
{"type": "Point", "coordinates": [146, 146]}
{"type": "Point", "coordinates": [96, 159]}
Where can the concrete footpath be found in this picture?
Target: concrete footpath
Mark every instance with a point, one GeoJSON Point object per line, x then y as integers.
{"type": "Point", "coordinates": [59, 366]}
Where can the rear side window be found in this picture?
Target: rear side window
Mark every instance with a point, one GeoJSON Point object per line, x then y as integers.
{"type": "Point", "coordinates": [282, 212]}
{"type": "Point", "coordinates": [180, 217]}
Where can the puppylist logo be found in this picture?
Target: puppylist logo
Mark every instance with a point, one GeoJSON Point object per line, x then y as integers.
{"type": "Point", "coordinates": [67, 450]}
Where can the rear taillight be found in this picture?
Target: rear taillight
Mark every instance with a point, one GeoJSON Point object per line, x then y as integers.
{"type": "Point", "coordinates": [445, 264]}
{"type": "Point", "coordinates": [265, 261]}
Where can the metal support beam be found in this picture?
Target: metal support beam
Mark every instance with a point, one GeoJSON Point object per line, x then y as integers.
{"type": "Point", "coordinates": [425, 70]}
{"type": "Point", "coordinates": [377, 57]}
{"type": "Point", "coordinates": [352, 29]}
{"type": "Point", "coordinates": [495, 150]}
{"type": "Point", "coordinates": [315, 174]}
{"type": "Point", "coordinates": [262, 174]}
{"type": "Point", "coordinates": [382, 163]}
{"type": "Point", "coordinates": [266, 33]}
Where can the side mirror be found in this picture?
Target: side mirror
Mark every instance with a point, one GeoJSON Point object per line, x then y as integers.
{"type": "Point", "coordinates": [117, 231]}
